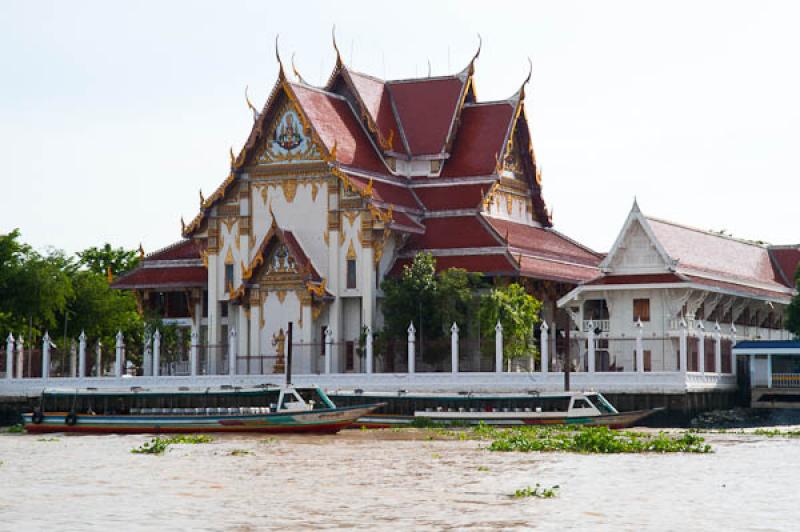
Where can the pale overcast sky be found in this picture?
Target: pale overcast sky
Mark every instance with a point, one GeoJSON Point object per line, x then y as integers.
{"type": "Point", "coordinates": [113, 115]}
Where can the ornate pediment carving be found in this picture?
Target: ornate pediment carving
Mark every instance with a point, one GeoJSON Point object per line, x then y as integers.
{"type": "Point", "coordinates": [288, 140]}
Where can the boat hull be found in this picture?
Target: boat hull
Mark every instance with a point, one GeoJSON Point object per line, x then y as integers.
{"type": "Point", "coordinates": [507, 419]}
{"type": "Point", "coordinates": [326, 421]}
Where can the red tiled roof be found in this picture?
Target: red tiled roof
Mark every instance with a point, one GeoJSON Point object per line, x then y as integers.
{"type": "Point", "coordinates": [163, 277]}
{"type": "Point", "coordinates": [786, 259]}
{"type": "Point", "coordinates": [402, 221]}
{"type": "Point", "coordinates": [487, 264]}
{"type": "Point", "coordinates": [183, 249]}
{"type": "Point", "coordinates": [479, 139]}
{"type": "Point", "coordinates": [426, 108]}
{"type": "Point", "coordinates": [387, 192]}
{"type": "Point", "coordinates": [648, 278]}
{"type": "Point", "coordinates": [543, 242]}
{"type": "Point", "coordinates": [540, 268]}
{"type": "Point", "coordinates": [714, 254]}
{"type": "Point", "coordinates": [377, 100]}
{"type": "Point", "coordinates": [735, 287]}
{"type": "Point", "coordinates": [443, 198]}
{"type": "Point", "coordinates": [334, 121]}
{"type": "Point", "coordinates": [453, 232]}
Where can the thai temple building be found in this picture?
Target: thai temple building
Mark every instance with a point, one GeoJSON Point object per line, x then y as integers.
{"type": "Point", "coordinates": [336, 188]}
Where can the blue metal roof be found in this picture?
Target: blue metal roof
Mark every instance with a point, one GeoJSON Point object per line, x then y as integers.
{"type": "Point", "coordinates": [764, 345]}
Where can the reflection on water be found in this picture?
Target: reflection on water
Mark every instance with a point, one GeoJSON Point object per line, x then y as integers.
{"type": "Point", "coordinates": [387, 480]}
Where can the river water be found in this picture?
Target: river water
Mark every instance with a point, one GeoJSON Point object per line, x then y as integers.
{"type": "Point", "coordinates": [382, 480]}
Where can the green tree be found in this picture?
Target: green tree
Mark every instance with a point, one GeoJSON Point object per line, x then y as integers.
{"type": "Point", "coordinates": [518, 313]}
{"type": "Point", "coordinates": [410, 298]}
{"type": "Point", "coordinates": [99, 260]}
{"type": "Point", "coordinates": [792, 319]}
{"type": "Point", "coordinates": [455, 299]}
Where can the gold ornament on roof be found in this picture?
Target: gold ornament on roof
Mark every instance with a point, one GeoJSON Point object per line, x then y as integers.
{"type": "Point", "coordinates": [351, 251]}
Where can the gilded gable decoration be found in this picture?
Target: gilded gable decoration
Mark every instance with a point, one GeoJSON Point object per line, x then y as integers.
{"type": "Point", "coordinates": [289, 140]}
{"type": "Point", "coordinates": [289, 187]}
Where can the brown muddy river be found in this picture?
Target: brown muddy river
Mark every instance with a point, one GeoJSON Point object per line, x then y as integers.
{"type": "Point", "coordinates": [385, 480]}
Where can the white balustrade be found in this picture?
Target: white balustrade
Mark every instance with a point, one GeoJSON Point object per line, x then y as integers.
{"type": "Point", "coordinates": [545, 347]}
{"type": "Point", "coordinates": [411, 347]}
{"type": "Point", "coordinates": [498, 347]}
{"type": "Point", "coordinates": [454, 348]}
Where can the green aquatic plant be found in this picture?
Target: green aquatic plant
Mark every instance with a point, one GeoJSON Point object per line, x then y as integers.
{"type": "Point", "coordinates": [16, 428]}
{"type": "Point", "coordinates": [268, 441]}
{"type": "Point", "coordinates": [772, 433]}
{"type": "Point", "coordinates": [47, 439]}
{"type": "Point", "coordinates": [483, 469]}
{"type": "Point", "coordinates": [537, 492]}
{"type": "Point", "coordinates": [240, 452]}
{"type": "Point", "coordinates": [159, 445]}
{"type": "Point", "coordinates": [589, 440]}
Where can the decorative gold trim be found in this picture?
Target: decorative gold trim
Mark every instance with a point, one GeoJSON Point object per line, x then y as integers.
{"type": "Point", "coordinates": [314, 191]}
{"type": "Point", "coordinates": [351, 216]}
{"type": "Point", "coordinates": [351, 252]}
{"type": "Point", "coordinates": [509, 204]}
{"type": "Point", "coordinates": [229, 257]}
{"type": "Point", "coordinates": [319, 289]}
{"type": "Point", "coordinates": [326, 236]}
{"type": "Point", "coordinates": [281, 295]}
{"type": "Point", "coordinates": [289, 187]}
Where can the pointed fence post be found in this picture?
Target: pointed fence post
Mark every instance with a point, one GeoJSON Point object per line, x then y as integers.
{"type": "Point", "coordinates": [682, 357]}
{"type": "Point", "coordinates": [370, 356]}
{"type": "Point", "coordinates": [118, 360]}
{"type": "Point", "coordinates": [98, 355]}
{"type": "Point", "coordinates": [717, 348]}
{"type": "Point", "coordinates": [20, 356]}
{"type": "Point", "coordinates": [454, 348]}
{"type": "Point", "coordinates": [193, 353]}
{"type": "Point", "coordinates": [498, 347]}
{"type": "Point", "coordinates": [639, 346]}
{"type": "Point", "coordinates": [328, 349]}
{"type": "Point", "coordinates": [734, 369]}
{"type": "Point", "coordinates": [411, 352]}
{"type": "Point", "coordinates": [545, 348]}
{"type": "Point", "coordinates": [10, 356]}
{"type": "Point", "coordinates": [701, 347]}
{"type": "Point", "coordinates": [156, 353]}
{"type": "Point", "coordinates": [147, 357]}
{"type": "Point", "coordinates": [232, 345]}
{"type": "Point", "coordinates": [82, 355]}
{"type": "Point", "coordinates": [46, 355]}
{"type": "Point", "coordinates": [590, 352]}
{"type": "Point", "coordinates": [73, 358]}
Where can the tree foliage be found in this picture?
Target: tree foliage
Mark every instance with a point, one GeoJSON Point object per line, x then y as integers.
{"type": "Point", "coordinates": [100, 260]}
{"type": "Point", "coordinates": [792, 319]}
{"type": "Point", "coordinates": [518, 313]}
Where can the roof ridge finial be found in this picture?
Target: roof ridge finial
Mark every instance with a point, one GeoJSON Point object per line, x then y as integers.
{"type": "Point", "coordinates": [471, 66]}
{"type": "Point", "coordinates": [250, 104]}
{"type": "Point", "coordinates": [296, 73]}
{"type": "Point", "coordinates": [429, 67]}
{"type": "Point", "coordinates": [527, 80]}
{"type": "Point", "coordinates": [278, 56]}
{"type": "Point", "coordinates": [339, 61]}
{"type": "Point", "coordinates": [635, 207]}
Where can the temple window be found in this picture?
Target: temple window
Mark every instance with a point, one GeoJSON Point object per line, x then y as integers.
{"type": "Point", "coordinates": [641, 310]}
{"type": "Point", "coordinates": [351, 273]}
{"type": "Point", "coordinates": [228, 276]}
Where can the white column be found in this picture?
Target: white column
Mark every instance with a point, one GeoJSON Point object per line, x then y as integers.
{"type": "Point", "coordinates": [769, 371]}
{"type": "Point", "coordinates": [232, 345]}
{"type": "Point", "coordinates": [255, 328]}
{"type": "Point", "coordinates": [73, 358]}
{"type": "Point", "coordinates": [717, 348]}
{"type": "Point", "coordinates": [701, 347]}
{"type": "Point", "coordinates": [328, 348]}
{"type": "Point", "coordinates": [157, 353]}
{"type": "Point", "coordinates": [498, 347]}
{"type": "Point", "coordinates": [98, 354]}
{"type": "Point", "coordinates": [194, 351]}
{"type": "Point", "coordinates": [369, 354]}
{"type": "Point", "coordinates": [119, 362]}
{"type": "Point", "coordinates": [639, 346]}
{"type": "Point", "coordinates": [682, 358]}
{"type": "Point", "coordinates": [20, 356]}
{"type": "Point", "coordinates": [454, 348]}
{"type": "Point", "coordinates": [411, 352]}
{"type": "Point", "coordinates": [242, 324]}
{"type": "Point", "coordinates": [46, 356]}
{"type": "Point", "coordinates": [367, 266]}
{"type": "Point", "coordinates": [545, 348]}
{"type": "Point", "coordinates": [82, 355]}
{"type": "Point", "coordinates": [10, 356]}
{"type": "Point", "coordinates": [733, 344]}
{"type": "Point", "coordinates": [590, 336]}
{"type": "Point", "coordinates": [147, 368]}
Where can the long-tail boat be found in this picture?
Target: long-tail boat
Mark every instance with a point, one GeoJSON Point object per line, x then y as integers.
{"type": "Point", "coordinates": [226, 409]}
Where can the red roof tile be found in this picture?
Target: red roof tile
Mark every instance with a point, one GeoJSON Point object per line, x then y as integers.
{"type": "Point", "coordinates": [388, 192]}
{"type": "Point", "coordinates": [479, 140]}
{"type": "Point", "coordinates": [426, 108]}
{"type": "Point", "coordinates": [787, 260]}
{"type": "Point", "coordinates": [334, 121]}
{"type": "Point", "coordinates": [654, 278]}
{"type": "Point", "coordinates": [377, 100]}
{"type": "Point", "coordinates": [540, 268]}
{"type": "Point", "coordinates": [163, 277]}
{"type": "Point", "coordinates": [453, 232]}
{"type": "Point", "coordinates": [735, 287]}
{"type": "Point", "coordinates": [488, 264]}
{"type": "Point", "coordinates": [715, 254]}
{"type": "Point", "coordinates": [402, 221]}
{"type": "Point", "coordinates": [544, 242]}
{"type": "Point", "coordinates": [452, 197]}
{"type": "Point", "coordinates": [183, 249]}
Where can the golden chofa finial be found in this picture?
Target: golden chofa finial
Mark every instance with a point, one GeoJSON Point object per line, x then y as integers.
{"type": "Point", "coordinates": [296, 73]}
{"type": "Point", "coordinates": [183, 225]}
{"type": "Point", "coordinates": [141, 251]}
{"type": "Point", "coordinates": [202, 199]}
{"type": "Point", "coordinates": [233, 157]}
{"type": "Point", "coordinates": [471, 67]}
{"type": "Point", "coordinates": [527, 79]}
{"type": "Point", "coordinates": [339, 61]}
{"type": "Point", "coordinates": [250, 104]}
{"type": "Point", "coordinates": [278, 56]}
